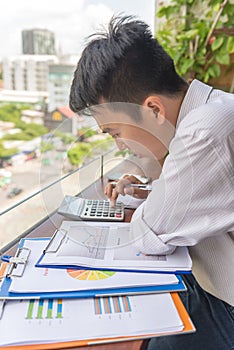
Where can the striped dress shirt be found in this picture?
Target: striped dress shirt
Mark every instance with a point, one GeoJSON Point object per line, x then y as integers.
{"type": "Point", "coordinates": [192, 202]}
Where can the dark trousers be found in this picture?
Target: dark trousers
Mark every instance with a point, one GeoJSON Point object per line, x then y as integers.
{"type": "Point", "coordinates": [213, 319]}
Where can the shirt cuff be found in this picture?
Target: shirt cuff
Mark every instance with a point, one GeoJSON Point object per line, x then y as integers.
{"type": "Point", "coordinates": [145, 239]}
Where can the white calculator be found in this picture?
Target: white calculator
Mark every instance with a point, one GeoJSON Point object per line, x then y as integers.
{"type": "Point", "coordinates": [91, 209]}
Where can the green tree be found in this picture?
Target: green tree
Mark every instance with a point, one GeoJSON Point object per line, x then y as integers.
{"type": "Point", "coordinates": [7, 152]}
{"type": "Point", "coordinates": [34, 130]}
{"type": "Point", "coordinates": [196, 34]}
{"type": "Point", "coordinates": [77, 154]}
{"type": "Point", "coordinates": [11, 112]}
{"type": "Point", "coordinates": [65, 137]}
{"type": "Point", "coordinates": [46, 146]}
{"type": "Point", "coordinates": [84, 133]}
{"type": "Point", "coordinates": [102, 145]}
{"type": "Point", "coordinates": [29, 132]}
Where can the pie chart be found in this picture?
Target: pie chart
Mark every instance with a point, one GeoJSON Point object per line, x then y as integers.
{"type": "Point", "coordinates": [89, 275]}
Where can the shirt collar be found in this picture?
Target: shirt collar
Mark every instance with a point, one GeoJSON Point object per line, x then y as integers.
{"type": "Point", "coordinates": [197, 94]}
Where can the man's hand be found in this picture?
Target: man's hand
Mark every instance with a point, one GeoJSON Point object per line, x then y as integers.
{"type": "Point", "coordinates": [123, 187]}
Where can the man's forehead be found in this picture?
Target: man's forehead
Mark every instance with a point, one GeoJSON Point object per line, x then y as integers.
{"type": "Point", "coordinates": [114, 113]}
{"type": "Point", "coordinates": [107, 117]}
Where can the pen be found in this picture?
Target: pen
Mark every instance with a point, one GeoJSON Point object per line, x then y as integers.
{"type": "Point", "coordinates": [140, 186]}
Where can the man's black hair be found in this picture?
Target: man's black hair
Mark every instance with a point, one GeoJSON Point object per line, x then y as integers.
{"type": "Point", "coordinates": [124, 64]}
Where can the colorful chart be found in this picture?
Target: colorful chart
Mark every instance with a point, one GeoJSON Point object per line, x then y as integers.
{"type": "Point", "coordinates": [44, 308]}
{"type": "Point", "coordinates": [112, 305]}
{"type": "Point", "coordinates": [89, 275]}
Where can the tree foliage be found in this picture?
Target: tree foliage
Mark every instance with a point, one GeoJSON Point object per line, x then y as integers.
{"type": "Point", "coordinates": [4, 153]}
{"type": "Point", "coordinates": [29, 132]}
{"type": "Point", "coordinates": [85, 133]}
{"type": "Point", "coordinates": [65, 137]}
{"type": "Point", "coordinates": [79, 152]}
{"type": "Point", "coordinates": [46, 146]}
{"type": "Point", "coordinates": [11, 112]}
{"type": "Point", "coordinates": [192, 32]}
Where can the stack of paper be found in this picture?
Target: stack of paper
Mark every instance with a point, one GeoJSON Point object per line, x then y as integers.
{"type": "Point", "coordinates": [69, 307]}
{"type": "Point", "coordinates": [74, 283]}
{"type": "Point", "coordinates": [88, 320]}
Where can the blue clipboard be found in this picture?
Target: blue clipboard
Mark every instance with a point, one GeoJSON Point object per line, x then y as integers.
{"type": "Point", "coordinates": [75, 267]}
{"type": "Point", "coordinates": [6, 294]}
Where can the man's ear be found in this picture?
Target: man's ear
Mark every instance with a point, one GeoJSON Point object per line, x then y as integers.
{"type": "Point", "coordinates": [155, 104]}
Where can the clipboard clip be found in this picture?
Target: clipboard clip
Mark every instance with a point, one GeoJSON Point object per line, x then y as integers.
{"type": "Point", "coordinates": [17, 263]}
{"type": "Point", "coordinates": [52, 246]}
{"type": "Point", "coordinates": [13, 259]}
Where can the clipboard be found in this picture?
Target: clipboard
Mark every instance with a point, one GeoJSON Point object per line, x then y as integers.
{"type": "Point", "coordinates": [188, 327]}
{"type": "Point", "coordinates": [20, 268]}
{"type": "Point", "coordinates": [61, 240]}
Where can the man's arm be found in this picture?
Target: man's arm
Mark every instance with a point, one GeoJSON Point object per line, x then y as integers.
{"type": "Point", "coordinates": [192, 199]}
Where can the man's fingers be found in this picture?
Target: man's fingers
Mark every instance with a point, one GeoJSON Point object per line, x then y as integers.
{"type": "Point", "coordinates": [123, 186]}
{"type": "Point", "coordinates": [132, 179]}
{"type": "Point", "coordinates": [109, 189]}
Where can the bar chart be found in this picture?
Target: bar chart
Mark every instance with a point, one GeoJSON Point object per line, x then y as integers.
{"type": "Point", "coordinates": [44, 309]}
{"type": "Point", "coordinates": [112, 305]}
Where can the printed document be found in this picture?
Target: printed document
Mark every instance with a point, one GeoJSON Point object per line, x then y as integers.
{"type": "Point", "coordinates": [56, 320]}
{"type": "Point", "coordinates": [39, 280]}
{"type": "Point", "coordinates": [107, 245]}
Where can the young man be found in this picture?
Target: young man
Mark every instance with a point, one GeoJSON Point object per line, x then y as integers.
{"type": "Point", "coordinates": [130, 85]}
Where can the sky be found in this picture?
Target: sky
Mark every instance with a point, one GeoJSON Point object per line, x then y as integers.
{"type": "Point", "coordinates": [70, 20]}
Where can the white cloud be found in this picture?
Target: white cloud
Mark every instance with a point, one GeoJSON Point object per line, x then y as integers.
{"type": "Point", "coordinates": [71, 20]}
{"type": "Point", "coordinates": [81, 25]}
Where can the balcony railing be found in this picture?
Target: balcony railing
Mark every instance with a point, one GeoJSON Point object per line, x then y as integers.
{"type": "Point", "coordinates": [17, 220]}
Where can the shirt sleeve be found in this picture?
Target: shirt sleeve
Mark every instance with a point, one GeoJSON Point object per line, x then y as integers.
{"type": "Point", "coordinates": [192, 200]}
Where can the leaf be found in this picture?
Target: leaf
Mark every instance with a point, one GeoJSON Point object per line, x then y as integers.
{"type": "Point", "coordinates": [222, 58]}
{"type": "Point", "coordinates": [230, 44]}
{"type": "Point", "coordinates": [206, 77]}
{"type": "Point", "coordinates": [217, 43]}
{"type": "Point", "coordinates": [186, 65]}
{"type": "Point", "coordinates": [216, 7]}
{"type": "Point", "coordinates": [214, 71]}
{"type": "Point", "coordinates": [167, 11]}
{"type": "Point", "coordinates": [191, 33]}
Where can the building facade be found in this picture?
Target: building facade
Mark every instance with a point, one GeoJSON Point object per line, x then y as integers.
{"type": "Point", "coordinates": [60, 78]}
{"type": "Point", "coordinates": [27, 72]}
{"type": "Point", "coordinates": [62, 119]}
{"type": "Point", "coordinates": [38, 42]}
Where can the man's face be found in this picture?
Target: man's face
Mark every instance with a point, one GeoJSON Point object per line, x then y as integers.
{"type": "Point", "coordinates": [144, 137]}
{"type": "Point", "coordinates": [136, 139]}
